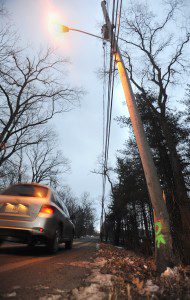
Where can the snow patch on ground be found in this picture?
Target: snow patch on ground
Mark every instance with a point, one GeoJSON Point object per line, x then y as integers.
{"type": "Point", "coordinates": [171, 273]}
{"type": "Point", "coordinates": [10, 295]}
{"type": "Point", "coordinates": [98, 284]}
{"type": "Point", "coordinates": [97, 247]}
{"type": "Point", "coordinates": [91, 292]}
{"type": "Point", "coordinates": [99, 262]}
{"type": "Point", "coordinates": [16, 287]}
{"type": "Point", "coordinates": [41, 287]}
{"type": "Point", "coordinates": [151, 287]}
{"type": "Point", "coordinates": [51, 297]}
{"type": "Point", "coordinates": [99, 278]}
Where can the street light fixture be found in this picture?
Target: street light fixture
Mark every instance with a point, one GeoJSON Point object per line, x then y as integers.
{"type": "Point", "coordinates": [65, 29]}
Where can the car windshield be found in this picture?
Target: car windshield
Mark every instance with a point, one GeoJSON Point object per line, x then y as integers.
{"type": "Point", "coordinates": [26, 190]}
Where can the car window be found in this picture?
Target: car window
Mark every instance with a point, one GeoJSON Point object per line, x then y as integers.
{"type": "Point", "coordinates": [53, 199]}
{"type": "Point", "coordinates": [65, 209]}
{"type": "Point", "coordinates": [26, 190]}
{"type": "Point", "coordinates": [62, 205]}
{"type": "Point", "coordinates": [59, 205]}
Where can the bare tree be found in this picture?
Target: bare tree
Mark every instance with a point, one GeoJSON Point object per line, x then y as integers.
{"type": "Point", "coordinates": [104, 170]}
{"type": "Point", "coordinates": [41, 163]}
{"type": "Point", "coordinates": [156, 61]}
{"type": "Point", "coordinates": [8, 36]}
{"type": "Point", "coordinates": [186, 154]}
{"type": "Point", "coordinates": [32, 90]}
{"type": "Point", "coordinates": [31, 94]}
{"type": "Point", "coordinates": [3, 10]}
{"type": "Point", "coordinates": [81, 211]}
{"type": "Point", "coordinates": [46, 164]}
{"type": "Point", "coordinates": [14, 170]}
{"type": "Point", "coordinates": [85, 218]}
{"type": "Point", "coordinates": [69, 199]}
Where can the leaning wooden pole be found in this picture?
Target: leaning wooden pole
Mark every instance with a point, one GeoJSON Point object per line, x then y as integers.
{"type": "Point", "coordinates": [163, 240]}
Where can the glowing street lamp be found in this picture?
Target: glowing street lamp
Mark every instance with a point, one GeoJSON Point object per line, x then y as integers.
{"type": "Point", "coordinates": [60, 28]}
{"type": "Point", "coordinates": [64, 28]}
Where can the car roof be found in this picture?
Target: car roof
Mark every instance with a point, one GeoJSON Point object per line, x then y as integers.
{"type": "Point", "coordinates": [31, 183]}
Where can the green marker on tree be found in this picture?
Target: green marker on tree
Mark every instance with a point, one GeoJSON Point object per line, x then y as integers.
{"type": "Point", "coordinates": [159, 236]}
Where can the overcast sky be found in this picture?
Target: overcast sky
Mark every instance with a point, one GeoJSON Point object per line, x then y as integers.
{"type": "Point", "coordinates": [80, 130]}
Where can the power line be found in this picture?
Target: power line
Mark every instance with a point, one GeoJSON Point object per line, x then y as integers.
{"type": "Point", "coordinates": [103, 141]}
{"type": "Point", "coordinates": [110, 92]}
{"type": "Point", "coordinates": [116, 22]}
{"type": "Point", "coordinates": [119, 20]}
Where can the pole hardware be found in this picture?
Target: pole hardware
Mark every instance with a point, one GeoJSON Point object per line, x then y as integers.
{"type": "Point", "coordinates": [105, 32]}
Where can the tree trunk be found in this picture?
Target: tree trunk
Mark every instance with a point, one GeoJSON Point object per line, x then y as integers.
{"type": "Point", "coordinates": [181, 193]}
{"type": "Point", "coordinates": [175, 223]}
{"type": "Point", "coordinates": [148, 239]}
{"type": "Point", "coordinates": [135, 230]}
{"type": "Point", "coordinates": [117, 232]}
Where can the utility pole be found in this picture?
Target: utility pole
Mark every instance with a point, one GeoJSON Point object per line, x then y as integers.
{"type": "Point", "coordinates": [163, 239]}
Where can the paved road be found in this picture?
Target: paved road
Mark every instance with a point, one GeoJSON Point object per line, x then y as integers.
{"type": "Point", "coordinates": [32, 274]}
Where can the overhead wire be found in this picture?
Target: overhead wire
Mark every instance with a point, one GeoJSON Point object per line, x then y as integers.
{"type": "Point", "coordinates": [111, 73]}
{"type": "Point", "coordinates": [111, 80]}
{"type": "Point", "coordinates": [119, 20]}
{"type": "Point", "coordinates": [103, 137]}
{"type": "Point", "coordinates": [110, 92]}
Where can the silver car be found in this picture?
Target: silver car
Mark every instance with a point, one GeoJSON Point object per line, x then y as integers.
{"type": "Point", "coordinates": [34, 214]}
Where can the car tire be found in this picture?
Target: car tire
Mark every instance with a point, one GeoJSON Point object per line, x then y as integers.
{"type": "Point", "coordinates": [31, 244]}
{"type": "Point", "coordinates": [53, 244]}
{"type": "Point", "coordinates": [1, 242]}
{"type": "Point", "coordinates": [69, 244]}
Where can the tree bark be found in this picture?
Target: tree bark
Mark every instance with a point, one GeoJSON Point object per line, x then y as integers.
{"type": "Point", "coordinates": [148, 239]}
{"type": "Point", "coordinates": [117, 232]}
{"type": "Point", "coordinates": [181, 193]}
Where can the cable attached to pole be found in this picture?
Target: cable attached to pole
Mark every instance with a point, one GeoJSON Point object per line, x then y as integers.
{"type": "Point", "coordinates": [110, 93]}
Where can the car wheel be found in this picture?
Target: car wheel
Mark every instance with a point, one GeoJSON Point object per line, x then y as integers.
{"type": "Point", "coordinates": [31, 244]}
{"type": "Point", "coordinates": [69, 244]}
{"type": "Point", "coordinates": [53, 244]}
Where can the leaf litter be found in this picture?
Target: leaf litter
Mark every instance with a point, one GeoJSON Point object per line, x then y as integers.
{"type": "Point", "coordinates": [117, 273]}
{"type": "Point", "coordinates": [135, 276]}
